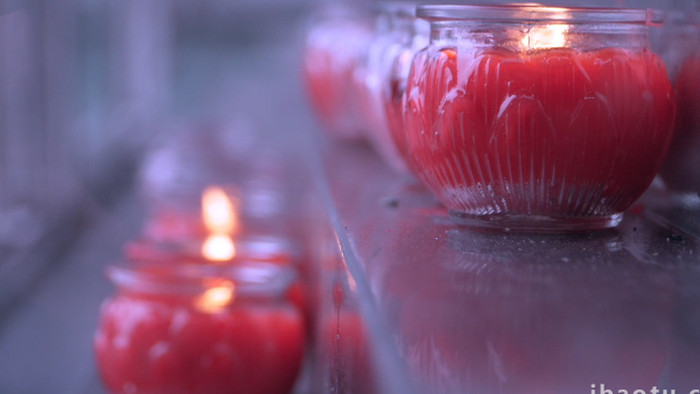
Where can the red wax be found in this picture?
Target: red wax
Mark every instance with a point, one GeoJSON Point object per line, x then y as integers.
{"type": "Point", "coordinates": [331, 63]}
{"type": "Point", "coordinates": [162, 345]}
{"type": "Point", "coordinates": [554, 132]}
{"type": "Point", "coordinates": [681, 171]}
{"type": "Point", "coordinates": [394, 109]}
{"type": "Point", "coordinates": [326, 86]}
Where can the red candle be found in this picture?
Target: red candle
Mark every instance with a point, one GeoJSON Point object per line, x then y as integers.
{"type": "Point", "coordinates": [334, 48]}
{"type": "Point", "coordinates": [219, 213]}
{"type": "Point", "coordinates": [394, 106]}
{"type": "Point", "coordinates": [398, 35]}
{"type": "Point", "coordinates": [681, 171]}
{"type": "Point", "coordinates": [187, 330]}
{"type": "Point", "coordinates": [394, 94]}
{"type": "Point", "coordinates": [548, 129]}
{"type": "Point", "coordinates": [262, 249]}
{"type": "Point", "coordinates": [248, 250]}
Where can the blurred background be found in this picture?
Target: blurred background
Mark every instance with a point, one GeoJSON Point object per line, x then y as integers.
{"type": "Point", "coordinates": [89, 88]}
{"type": "Point", "coordinates": [107, 108]}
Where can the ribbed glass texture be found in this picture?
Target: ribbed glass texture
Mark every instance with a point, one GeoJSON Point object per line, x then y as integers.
{"type": "Point", "coordinates": [561, 129]}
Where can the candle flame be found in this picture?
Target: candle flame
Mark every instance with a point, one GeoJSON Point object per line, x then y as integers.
{"type": "Point", "coordinates": [218, 211]}
{"type": "Point", "coordinates": [547, 36]}
{"type": "Point", "coordinates": [216, 298]}
{"type": "Point", "coordinates": [543, 37]}
{"type": "Point", "coordinates": [218, 247]}
{"type": "Point", "coordinates": [221, 220]}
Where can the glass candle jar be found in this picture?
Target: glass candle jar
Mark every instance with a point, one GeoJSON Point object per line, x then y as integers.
{"type": "Point", "coordinates": [196, 251]}
{"type": "Point", "coordinates": [681, 50]}
{"type": "Point", "coordinates": [199, 329]}
{"type": "Point", "coordinates": [538, 118]}
{"type": "Point", "coordinates": [224, 250]}
{"type": "Point", "coordinates": [335, 45]}
{"type": "Point", "coordinates": [394, 99]}
{"type": "Point", "coordinates": [398, 35]}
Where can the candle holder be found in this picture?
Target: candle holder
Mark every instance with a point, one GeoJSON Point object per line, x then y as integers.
{"type": "Point", "coordinates": [398, 36]}
{"type": "Point", "coordinates": [254, 248]}
{"type": "Point", "coordinates": [335, 44]}
{"type": "Point", "coordinates": [681, 50]}
{"type": "Point", "coordinates": [199, 328]}
{"type": "Point", "coordinates": [227, 251]}
{"type": "Point", "coordinates": [537, 118]}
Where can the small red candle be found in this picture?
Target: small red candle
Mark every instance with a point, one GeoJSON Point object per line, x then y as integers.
{"type": "Point", "coordinates": [681, 171]}
{"type": "Point", "coordinates": [262, 249]}
{"type": "Point", "coordinates": [219, 213]}
{"type": "Point", "coordinates": [394, 106]}
{"type": "Point", "coordinates": [334, 47]}
{"type": "Point", "coordinates": [394, 93]}
{"type": "Point", "coordinates": [196, 329]}
{"type": "Point", "coordinates": [239, 251]}
{"type": "Point", "coordinates": [398, 35]}
{"type": "Point", "coordinates": [215, 236]}
{"type": "Point", "coordinates": [556, 125]}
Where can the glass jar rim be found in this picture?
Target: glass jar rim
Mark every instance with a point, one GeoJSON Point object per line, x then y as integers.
{"type": "Point", "coordinates": [250, 249]}
{"type": "Point", "coordinates": [267, 246]}
{"type": "Point", "coordinates": [536, 13]}
{"type": "Point", "coordinates": [246, 279]}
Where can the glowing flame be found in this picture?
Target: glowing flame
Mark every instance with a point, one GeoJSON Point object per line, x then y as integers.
{"type": "Point", "coordinates": [218, 211]}
{"type": "Point", "coordinates": [216, 298]}
{"type": "Point", "coordinates": [218, 247]}
{"type": "Point", "coordinates": [542, 37]}
{"type": "Point", "coordinates": [547, 36]}
{"type": "Point", "coordinates": [221, 220]}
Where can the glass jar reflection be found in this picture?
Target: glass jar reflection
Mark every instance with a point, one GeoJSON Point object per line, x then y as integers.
{"type": "Point", "coordinates": [515, 314]}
